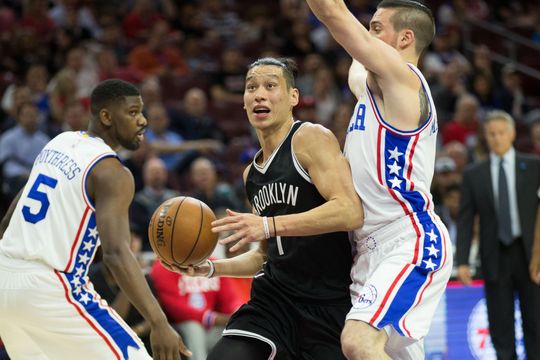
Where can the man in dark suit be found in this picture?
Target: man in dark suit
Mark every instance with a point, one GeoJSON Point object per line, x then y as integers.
{"type": "Point", "coordinates": [502, 191]}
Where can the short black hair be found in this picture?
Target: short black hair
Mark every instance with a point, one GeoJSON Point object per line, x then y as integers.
{"type": "Point", "coordinates": [414, 15]}
{"type": "Point", "coordinates": [110, 92]}
{"type": "Point", "coordinates": [289, 67]}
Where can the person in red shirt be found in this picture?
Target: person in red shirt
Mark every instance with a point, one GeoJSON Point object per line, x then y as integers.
{"type": "Point", "coordinates": [197, 307]}
{"type": "Point", "coordinates": [464, 126]}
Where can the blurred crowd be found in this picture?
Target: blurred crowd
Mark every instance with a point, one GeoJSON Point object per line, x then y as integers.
{"type": "Point", "coordinates": [189, 58]}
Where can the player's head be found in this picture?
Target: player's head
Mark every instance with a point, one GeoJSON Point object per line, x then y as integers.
{"type": "Point", "coordinates": [270, 93]}
{"type": "Point", "coordinates": [500, 131]}
{"type": "Point", "coordinates": [117, 117]}
{"type": "Point", "coordinates": [411, 23]}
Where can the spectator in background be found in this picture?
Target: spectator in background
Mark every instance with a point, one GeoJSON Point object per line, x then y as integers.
{"type": "Point", "coordinates": [198, 307]}
{"type": "Point", "coordinates": [207, 187]}
{"type": "Point", "coordinates": [160, 54]}
{"type": "Point", "coordinates": [153, 194]}
{"type": "Point", "coordinates": [228, 83]}
{"type": "Point", "coordinates": [457, 152]}
{"type": "Point", "coordinates": [445, 175]}
{"type": "Point", "coordinates": [511, 97]}
{"type": "Point", "coordinates": [464, 126]}
{"type": "Point", "coordinates": [444, 53]}
{"type": "Point", "coordinates": [19, 147]}
{"type": "Point", "coordinates": [447, 88]}
{"type": "Point", "coordinates": [194, 122]}
{"type": "Point", "coordinates": [75, 117]}
{"type": "Point", "coordinates": [137, 24]}
{"type": "Point", "coordinates": [11, 103]}
{"type": "Point", "coordinates": [502, 191]}
{"type": "Point", "coordinates": [483, 88]}
{"type": "Point", "coordinates": [108, 67]}
{"type": "Point", "coordinates": [326, 92]}
{"type": "Point", "coordinates": [169, 145]}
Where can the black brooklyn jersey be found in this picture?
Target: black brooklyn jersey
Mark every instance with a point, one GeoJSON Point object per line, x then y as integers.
{"type": "Point", "coordinates": [308, 268]}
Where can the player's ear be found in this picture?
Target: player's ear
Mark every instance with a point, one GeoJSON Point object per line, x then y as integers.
{"type": "Point", "coordinates": [405, 38]}
{"type": "Point", "coordinates": [105, 117]}
{"type": "Point", "coordinates": [294, 97]}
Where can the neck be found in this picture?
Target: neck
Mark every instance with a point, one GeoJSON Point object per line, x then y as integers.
{"type": "Point", "coordinates": [272, 137]}
{"type": "Point", "coordinates": [95, 132]}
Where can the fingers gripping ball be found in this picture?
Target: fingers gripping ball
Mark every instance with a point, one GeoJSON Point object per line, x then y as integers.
{"type": "Point", "coordinates": [180, 231]}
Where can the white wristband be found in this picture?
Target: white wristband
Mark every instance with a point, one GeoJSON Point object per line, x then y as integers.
{"type": "Point", "coordinates": [212, 270]}
{"type": "Point", "coordinates": [266, 227]}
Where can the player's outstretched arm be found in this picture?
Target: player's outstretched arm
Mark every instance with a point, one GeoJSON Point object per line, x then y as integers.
{"type": "Point", "coordinates": [111, 186]}
{"type": "Point", "coordinates": [377, 56]}
{"type": "Point", "coordinates": [535, 261]}
{"type": "Point", "coordinates": [318, 152]}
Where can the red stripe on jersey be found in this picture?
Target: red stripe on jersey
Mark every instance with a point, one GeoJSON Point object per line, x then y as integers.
{"type": "Point", "coordinates": [411, 153]}
{"type": "Point", "coordinates": [379, 136]}
{"type": "Point", "coordinates": [76, 240]}
{"type": "Point", "coordinates": [66, 293]}
{"type": "Point", "coordinates": [388, 293]}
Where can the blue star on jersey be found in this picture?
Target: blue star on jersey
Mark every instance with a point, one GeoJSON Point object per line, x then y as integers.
{"type": "Point", "coordinates": [87, 299]}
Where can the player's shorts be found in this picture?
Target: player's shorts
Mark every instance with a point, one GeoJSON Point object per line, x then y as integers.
{"type": "Point", "coordinates": [293, 330]}
{"type": "Point", "coordinates": [53, 315]}
{"type": "Point", "coordinates": [399, 274]}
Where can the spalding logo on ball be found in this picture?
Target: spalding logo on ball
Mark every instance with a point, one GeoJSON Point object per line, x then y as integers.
{"type": "Point", "coordinates": [180, 231]}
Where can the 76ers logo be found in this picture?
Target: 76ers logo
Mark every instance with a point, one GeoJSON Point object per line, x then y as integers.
{"type": "Point", "coordinates": [367, 297]}
{"type": "Point", "coordinates": [478, 333]}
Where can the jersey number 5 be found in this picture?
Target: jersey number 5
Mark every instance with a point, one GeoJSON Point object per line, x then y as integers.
{"type": "Point", "coordinates": [40, 196]}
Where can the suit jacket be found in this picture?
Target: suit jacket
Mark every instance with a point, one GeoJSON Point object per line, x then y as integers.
{"type": "Point", "coordinates": [477, 198]}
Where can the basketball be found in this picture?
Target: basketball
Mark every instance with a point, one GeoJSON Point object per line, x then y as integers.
{"type": "Point", "coordinates": [180, 231]}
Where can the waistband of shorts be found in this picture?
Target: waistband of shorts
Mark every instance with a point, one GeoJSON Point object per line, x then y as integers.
{"type": "Point", "coordinates": [15, 264]}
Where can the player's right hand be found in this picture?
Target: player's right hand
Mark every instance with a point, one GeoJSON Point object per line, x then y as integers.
{"type": "Point", "coordinates": [167, 344]}
{"type": "Point", "coordinates": [191, 270]}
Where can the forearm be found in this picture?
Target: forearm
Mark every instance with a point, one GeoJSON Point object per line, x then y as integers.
{"type": "Point", "coordinates": [121, 304]}
{"type": "Point", "coordinates": [131, 281]}
{"type": "Point", "coordinates": [536, 244]}
{"type": "Point", "coordinates": [326, 10]}
{"type": "Point", "coordinates": [334, 215]}
{"type": "Point", "coordinates": [244, 265]}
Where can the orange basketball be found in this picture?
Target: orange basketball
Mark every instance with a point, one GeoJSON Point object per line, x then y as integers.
{"type": "Point", "coordinates": [180, 231]}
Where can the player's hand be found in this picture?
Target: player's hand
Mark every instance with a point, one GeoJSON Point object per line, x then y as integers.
{"type": "Point", "coordinates": [192, 270]}
{"type": "Point", "coordinates": [245, 227]}
{"type": "Point", "coordinates": [534, 269]}
{"type": "Point", "coordinates": [166, 343]}
{"type": "Point", "coordinates": [464, 274]}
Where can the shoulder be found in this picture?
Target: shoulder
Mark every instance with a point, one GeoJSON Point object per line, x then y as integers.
{"type": "Point", "coordinates": [472, 170]}
{"type": "Point", "coordinates": [528, 158]}
{"type": "Point", "coordinates": [111, 173]}
{"type": "Point", "coordinates": [312, 136]}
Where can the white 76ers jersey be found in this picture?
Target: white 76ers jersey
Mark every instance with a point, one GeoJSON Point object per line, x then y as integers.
{"type": "Point", "coordinates": [392, 169]}
{"type": "Point", "coordinates": [54, 221]}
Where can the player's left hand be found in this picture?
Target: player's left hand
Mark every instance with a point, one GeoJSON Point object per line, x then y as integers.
{"type": "Point", "coordinates": [245, 227]}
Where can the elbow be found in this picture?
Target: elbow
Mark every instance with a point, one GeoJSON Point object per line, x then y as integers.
{"type": "Point", "coordinates": [112, 258]}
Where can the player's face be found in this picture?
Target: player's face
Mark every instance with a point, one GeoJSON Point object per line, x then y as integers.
{"type": "Point", "coordinates": [381, 27]}
{"type": "Point", "coordinates": [129, 123]}
{"type": "Point", "coordinates": [499, 136]}
{"type": "Point", "coordinates": [267, 100]}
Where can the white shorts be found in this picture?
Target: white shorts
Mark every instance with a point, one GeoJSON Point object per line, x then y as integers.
{"type": "Point", "coordinates": [399, 274]}
{"type": "Point", "coordinates": [46, 316]}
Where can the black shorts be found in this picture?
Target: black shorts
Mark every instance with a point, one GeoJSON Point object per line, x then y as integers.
{"type": "Point", "coordinates": [293, 330]}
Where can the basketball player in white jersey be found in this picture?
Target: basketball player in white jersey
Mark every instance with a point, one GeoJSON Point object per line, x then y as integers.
{"type": "Point", "coordinates": [77, 197]}
{"type": "Point", "coordinates": [403, 257]}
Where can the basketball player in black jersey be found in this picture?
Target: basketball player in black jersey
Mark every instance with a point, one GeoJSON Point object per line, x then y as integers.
{"type": "Point", "coordinates": [303, 201]}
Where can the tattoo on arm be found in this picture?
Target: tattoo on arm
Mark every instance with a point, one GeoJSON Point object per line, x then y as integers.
{"type": "Point", "coordinates": [424, 106]}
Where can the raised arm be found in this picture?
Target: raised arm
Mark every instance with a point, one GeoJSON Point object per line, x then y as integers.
{"type": "Point", "coordinates": [111, 186]}
{"type": "Point", "coordinates": [378, 57]}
